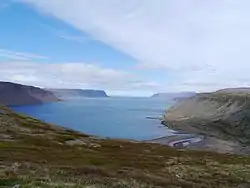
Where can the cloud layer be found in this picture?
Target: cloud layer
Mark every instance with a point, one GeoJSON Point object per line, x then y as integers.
{"type": "Point", "coordinates": [203, 44]}
{"type": "Point", "coordinates": [72, 75]}
{"type": "Point", "coordinates": [8, 54]}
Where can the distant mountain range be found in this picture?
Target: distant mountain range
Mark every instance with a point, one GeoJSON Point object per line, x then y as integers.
{"type": "Point", "coordinates": [174, 96]}
{"type": "Point", "coordinates": [69, 93]}
{"type": "Point", "coordinates": [17, 94]}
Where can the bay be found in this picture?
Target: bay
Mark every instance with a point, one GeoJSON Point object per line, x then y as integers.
{"type": "Point", "coordinates": [114, 117]}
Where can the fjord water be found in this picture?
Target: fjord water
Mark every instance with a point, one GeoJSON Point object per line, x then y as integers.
{"type": "Point", "coordinates": [113, 117]}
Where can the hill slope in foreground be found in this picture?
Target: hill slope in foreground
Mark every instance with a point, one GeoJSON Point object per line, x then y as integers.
{"type": "Point", "coordinates": [36, 154]}
{"type": "Point", "coordinates": [224, 115]}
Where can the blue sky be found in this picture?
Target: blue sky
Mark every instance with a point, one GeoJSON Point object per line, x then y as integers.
{"type": "Point", "coordinates": [26, 30]}
{"type": "Point", "coordinates": [133, 47]}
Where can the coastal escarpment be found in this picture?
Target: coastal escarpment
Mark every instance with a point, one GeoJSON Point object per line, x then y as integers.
{"type": "Point", "coordinates": [224, 114]}
{"type": "Point", "coordinates": [17, 94]}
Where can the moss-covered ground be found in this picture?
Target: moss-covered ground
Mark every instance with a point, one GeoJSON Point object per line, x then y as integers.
{"type": "Point", "coordinates": [37, 154]}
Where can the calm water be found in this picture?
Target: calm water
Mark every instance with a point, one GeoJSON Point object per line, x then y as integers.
{"type": "Point", "coordinates": [114, 117]}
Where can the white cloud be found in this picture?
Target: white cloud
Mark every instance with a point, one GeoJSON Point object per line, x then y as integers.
{"type": "Point", "coordinates": [64, 34]}
{"type": "Point", "coordinates": [206, 42]}
{"type": "Point", "coordinates": [11, 55]}
{"type": "Point", "coordinates": [73, 38]}
{"type": "Point", "coordinates": [73, 75]}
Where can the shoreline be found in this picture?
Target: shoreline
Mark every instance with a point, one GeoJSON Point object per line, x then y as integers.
{"type": "Point", "coordinates": [180, 140]}
{"type": "Point", "coordinates": [199, 142]}
{"type": "Point", "coordinates": [176, 140]}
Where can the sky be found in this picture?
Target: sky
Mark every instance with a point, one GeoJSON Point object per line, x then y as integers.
{"type": "Point", "coordinates": [132, 47]}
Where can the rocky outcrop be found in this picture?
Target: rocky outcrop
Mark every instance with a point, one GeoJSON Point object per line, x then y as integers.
{"type": "Point", "coordinates": [223, 114]}
{"type": "Point", "coordinates": [17, 94]}
{"type": "Point", "coordinates": [69, 93]}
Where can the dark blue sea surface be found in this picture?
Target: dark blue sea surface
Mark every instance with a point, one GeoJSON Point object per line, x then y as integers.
{"type": "Point", "coordinates": [114, 117]}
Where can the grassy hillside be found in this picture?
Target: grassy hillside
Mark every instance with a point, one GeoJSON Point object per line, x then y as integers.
{"type": "Point", "coordinates": [219, 114]}
{"type": "Point", "coordinates": [36, 154]}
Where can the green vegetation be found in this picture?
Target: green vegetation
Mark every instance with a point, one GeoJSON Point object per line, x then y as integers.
{"type": "Point", "coordinates": [36, 154]}
{"type": "Point", "coordinates": [221, 115]}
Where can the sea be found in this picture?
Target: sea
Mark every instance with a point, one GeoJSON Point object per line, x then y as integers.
{"type": "Point", "coordinates": [135, 118]}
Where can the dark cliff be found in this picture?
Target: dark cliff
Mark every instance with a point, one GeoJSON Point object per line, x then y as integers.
{"type": "Point", "coordinates": [17, 94]}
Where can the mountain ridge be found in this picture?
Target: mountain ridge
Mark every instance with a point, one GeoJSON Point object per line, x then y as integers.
{"type": "Point", "coordinates": [18, 94]}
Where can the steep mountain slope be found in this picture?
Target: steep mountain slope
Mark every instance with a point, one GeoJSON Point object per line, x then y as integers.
{"type": "Point", "coordinates": [224, 114]}
{"type": "Point", "coordinates": [17, 94]}
{"type": "Point", "coordinates": [36, 154]}
{"type": "Point", "coordinates": [88, 93]}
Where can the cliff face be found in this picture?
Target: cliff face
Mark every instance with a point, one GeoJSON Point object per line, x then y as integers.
{"type": "Point", "coordinates": [223, 114]}
{"type": "Point", "coordinates": [17, 94]}
{"type": "Point", "coordinates": [68, 93]}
